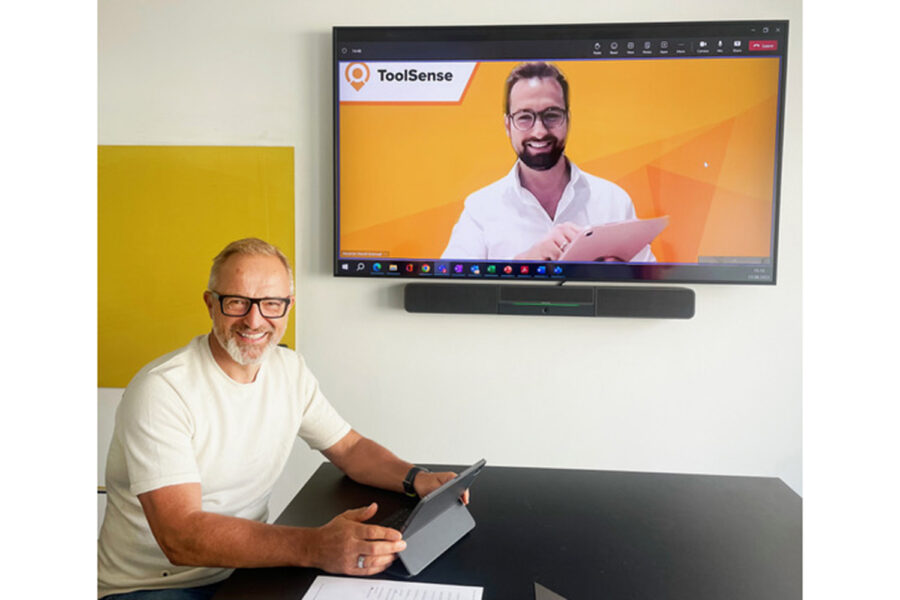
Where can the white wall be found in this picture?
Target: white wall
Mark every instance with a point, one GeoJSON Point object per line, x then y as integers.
{"type": "Point", "coordinates": [719, 393]}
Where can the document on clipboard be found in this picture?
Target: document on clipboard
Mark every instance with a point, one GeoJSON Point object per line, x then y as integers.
{"type": "Point", "coordinates": [618, 241]}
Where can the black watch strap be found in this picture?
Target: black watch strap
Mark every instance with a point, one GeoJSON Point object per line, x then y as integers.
{"type": "Point", "coordinates": [410, 478]}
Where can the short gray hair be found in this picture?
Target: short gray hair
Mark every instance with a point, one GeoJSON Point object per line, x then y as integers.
{"type": "Point", "coordinates": [248, 247]}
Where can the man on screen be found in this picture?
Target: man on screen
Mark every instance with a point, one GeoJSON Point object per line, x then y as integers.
{"type": "Point", "coordinates": [203, 433]}
{"type": "Point", "coordinates": [545, 201]}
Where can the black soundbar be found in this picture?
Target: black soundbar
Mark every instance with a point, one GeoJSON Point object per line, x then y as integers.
{"type": "Point", "coordinates": [552, 300]}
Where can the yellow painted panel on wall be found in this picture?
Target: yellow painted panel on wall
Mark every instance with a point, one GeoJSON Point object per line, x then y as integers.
{"type": "Point", "coordinates": [164, 212]}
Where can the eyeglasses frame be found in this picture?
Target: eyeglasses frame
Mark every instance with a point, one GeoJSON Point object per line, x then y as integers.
{"type": "Point", "coordinates": [221, 298]}
{"type": "Point", "coordinates": [537, 115]}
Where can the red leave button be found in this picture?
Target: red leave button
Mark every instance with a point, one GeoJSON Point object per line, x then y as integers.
{"type": "Point", "coordinates": [757, 45]}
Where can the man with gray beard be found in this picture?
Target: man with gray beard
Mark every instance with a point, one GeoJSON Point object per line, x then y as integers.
{"type": "Point", "coordinates": [203, 433]}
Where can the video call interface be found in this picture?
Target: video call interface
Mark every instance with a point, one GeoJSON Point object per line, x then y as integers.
{"type": "Point", "coordinates": [684, 121]}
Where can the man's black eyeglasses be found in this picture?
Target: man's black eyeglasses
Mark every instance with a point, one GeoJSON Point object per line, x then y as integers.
{"type": "Point", "coordinates": [552, 117]}
{"type": "Point", "coordinates": [239, 306]}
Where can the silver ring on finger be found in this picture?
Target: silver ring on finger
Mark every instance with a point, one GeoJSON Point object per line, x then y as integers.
{"type": "Point", "coordinates": [361, 562]}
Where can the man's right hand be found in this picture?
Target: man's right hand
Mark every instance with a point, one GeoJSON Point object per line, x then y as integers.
{"type": "Point", "coordinates": [338, 545]}
{"type": "Point", "coordinates": [552, 245]}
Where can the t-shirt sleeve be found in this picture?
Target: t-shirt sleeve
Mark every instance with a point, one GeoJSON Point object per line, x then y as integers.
{"type": "Point", "coordinates": [321, 426]}
{"type": "Point", "coordinates": [155, 428]}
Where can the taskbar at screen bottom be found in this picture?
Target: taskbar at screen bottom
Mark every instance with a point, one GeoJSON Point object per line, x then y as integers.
{"type": "Point", "coordinates": [564, 271]}
{"type": "Point", "coordinates": [444, 268]}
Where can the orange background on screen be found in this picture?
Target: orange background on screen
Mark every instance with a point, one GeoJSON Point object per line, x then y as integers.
{"type": "Point", "coordinates": [690, 138]}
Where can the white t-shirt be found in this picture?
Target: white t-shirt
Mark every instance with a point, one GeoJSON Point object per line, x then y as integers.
{"type": "Point", "coordinates": [504, 219]}
{"type": "Point", "coordinates": [183, 420]}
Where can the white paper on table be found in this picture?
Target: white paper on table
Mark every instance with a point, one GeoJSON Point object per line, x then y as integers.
{"type": "Point", "coordinates": [347, 588]}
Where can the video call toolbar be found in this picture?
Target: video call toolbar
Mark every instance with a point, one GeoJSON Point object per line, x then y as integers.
{"type": "Point", "coordinates": [690, 47]}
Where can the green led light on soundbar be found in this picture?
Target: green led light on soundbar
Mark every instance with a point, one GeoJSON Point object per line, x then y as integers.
{"type": "Point", "coordinates": [545, 303]}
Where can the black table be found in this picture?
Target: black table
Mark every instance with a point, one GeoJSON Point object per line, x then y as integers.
{"type": "Point", "coordinates": [585, 535]}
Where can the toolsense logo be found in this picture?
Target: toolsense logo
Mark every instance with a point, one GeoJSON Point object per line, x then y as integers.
{"type": "Point", "coordinates": [357, 74]}
{"type": "Point", "coordinates": [437, 81]}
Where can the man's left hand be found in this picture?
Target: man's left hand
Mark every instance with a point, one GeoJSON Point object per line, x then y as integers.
{"type": "Point", "coordinates": [425, 483]}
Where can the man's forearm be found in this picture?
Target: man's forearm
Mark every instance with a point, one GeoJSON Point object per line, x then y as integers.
{"type": "Point", "coordinates": [209, 539]}
{"type": "Point", "coordinates": [370, 463]}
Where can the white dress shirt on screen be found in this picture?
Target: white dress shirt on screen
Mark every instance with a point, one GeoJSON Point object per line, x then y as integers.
{"type": "Point", "coordinates": [504, 219]}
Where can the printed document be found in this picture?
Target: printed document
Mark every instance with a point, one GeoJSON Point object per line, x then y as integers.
{"type": "Point", "coordinates": [346, 588]}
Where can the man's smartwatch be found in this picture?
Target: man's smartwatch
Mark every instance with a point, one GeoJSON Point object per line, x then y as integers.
{"type": "Point", "coordinates": [410, 478]}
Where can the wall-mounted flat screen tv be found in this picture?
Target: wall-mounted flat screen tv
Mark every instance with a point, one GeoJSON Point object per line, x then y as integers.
{"type": "Point", "coordinates": [619, 152]}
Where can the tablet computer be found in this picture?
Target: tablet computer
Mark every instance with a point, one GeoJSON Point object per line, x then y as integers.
{"type": "Point", "coordinates": [617, 241]}
{"type": "Point", "coordinates": [437, 522]}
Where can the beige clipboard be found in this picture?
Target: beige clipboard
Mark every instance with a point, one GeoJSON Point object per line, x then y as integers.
{"type": "Point", "coordinates": [619, 241]}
